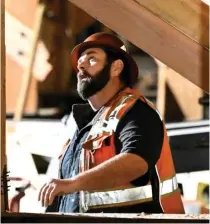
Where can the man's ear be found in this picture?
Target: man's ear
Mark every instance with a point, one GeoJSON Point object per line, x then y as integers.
{"type": "Point", "coordinates": [117, 67]}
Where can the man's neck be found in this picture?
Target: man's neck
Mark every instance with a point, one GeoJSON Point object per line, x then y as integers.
{"type": "Point", "coordinates": [101, 98]}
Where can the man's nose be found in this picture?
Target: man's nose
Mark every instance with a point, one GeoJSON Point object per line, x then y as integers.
{"type": "Point", "coordinates": [82, 65]}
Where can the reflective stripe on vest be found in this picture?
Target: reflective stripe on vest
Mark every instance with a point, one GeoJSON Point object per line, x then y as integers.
{"type": "Point", "coordinates": [136, 194]}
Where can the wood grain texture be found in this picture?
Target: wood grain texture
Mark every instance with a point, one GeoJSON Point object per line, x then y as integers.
{"type": "Point", "coordinates": [2, 99]}
{"type": "Point", "coordinates": [79, 19]}
{"type": "Point", "coordinates": [187, 95]}
{"type": "Point", "coordinates": [13, 83]}
{"type": "Point", "coordinates": [23, 10]}
{"type": "Point", "coordinates": [161, 88]}
{"type": "Point", "coordinates": [27, 75]}
{"type": "Point", "coordinates": [153, 35]}
{"type": "Point", "coordinates": [104, 218]}
{"type": "Point", "coordinates": [189, 17]}
{"type": "Point", "coordinates": [14, 72]}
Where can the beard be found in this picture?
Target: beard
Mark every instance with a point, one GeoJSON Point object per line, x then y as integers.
{"type": "Point", "coordinates": [90, 85]}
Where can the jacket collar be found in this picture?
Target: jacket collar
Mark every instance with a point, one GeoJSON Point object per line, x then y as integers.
{"type": "Point", "coordinates": [83, 113]}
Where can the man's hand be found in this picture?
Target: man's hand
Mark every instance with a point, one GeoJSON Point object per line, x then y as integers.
{"type": "Point", "coordinates": [54, 188]}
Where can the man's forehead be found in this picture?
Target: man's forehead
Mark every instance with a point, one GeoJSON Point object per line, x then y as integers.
{"type": "Point", "coordinates": [92, 50]}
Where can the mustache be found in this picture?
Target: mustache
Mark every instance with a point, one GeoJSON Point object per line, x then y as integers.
{"type": "Point", "coordinates": [83, 74]}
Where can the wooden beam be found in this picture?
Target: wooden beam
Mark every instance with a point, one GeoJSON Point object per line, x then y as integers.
{"type": "Point", "coordinates": [206, 2]}
{"type": "Point", "coordinates": [178, 13]}
{"type": "Point", "coordinates": [3, 109]}
{"type": "Point", "coordinates": [27, 76]}
{"type": "Point", "coordinates": [25, 15]}
{"type": "Point", "coordinates": [79, 19]}
{"type": "Point", "coordinates": [21, 13]}
{"type": "Point", "coordinates": [185, 92]}
{"type": "Point", "coordinates": [2, 92]}
{"type": "Point", "coordinates": [153, 35]}
{"type": "Point", "coordinates": [161, 88]}
{"type": "Point", "coordinates": [104, 218]}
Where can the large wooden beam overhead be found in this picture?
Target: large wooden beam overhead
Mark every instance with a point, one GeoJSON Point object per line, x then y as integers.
{"type": "Point", "coordinates": [190, 17]}
{"type": "Point", "coordinates": [178, 39]}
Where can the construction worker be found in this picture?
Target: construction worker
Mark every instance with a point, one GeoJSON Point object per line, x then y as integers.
{"type": "Point", "coordinates": [119, 158]}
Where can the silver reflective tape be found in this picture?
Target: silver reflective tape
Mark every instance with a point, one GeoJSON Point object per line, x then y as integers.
{"type": "Point", "coordinates": [175, 183]}
{"type": "Point", "coordinates": [168, 186]}
{"type": "Point", "coordinates": [130, 194]}
{"type": "Point", "coordinates": [112, 124]}
{"type": "Point", "coordinates": [120, 196]}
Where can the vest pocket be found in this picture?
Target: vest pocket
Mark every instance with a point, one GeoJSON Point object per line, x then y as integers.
{"type": "Point", "coordinates": [101, 147]}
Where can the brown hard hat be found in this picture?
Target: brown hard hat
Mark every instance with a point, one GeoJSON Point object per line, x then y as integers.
{"type": "Point", "coordinates": [110, 41]}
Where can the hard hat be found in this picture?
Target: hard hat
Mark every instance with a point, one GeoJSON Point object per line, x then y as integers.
{"type": "Point", "coordinates": [109, 41]}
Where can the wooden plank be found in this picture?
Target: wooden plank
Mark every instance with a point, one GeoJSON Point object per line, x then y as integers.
{"type": "Point", "coordinates": [153, 35]}
{"type": "Point", "coordinates": [182, 90]}
{"type": "Point", "coordinates": [161, 88]}
{"type": "Point", "coordinates": [14, 72]}
{"type": "Point", "coordinates": [25, 14]}
{"type": "Point", "coordinates": [13, 83]}
{"type": "Point", "coordinates": [27, 76]}
{"type": "Point", "coordinates": [187, 95]}
{"type": "Point", "coordinates": [3, 103]}
{"type": "Point", "coordinates": [178, 13]}
{"type": "Point", "coordinates": [79, 19]}
{"type": "Point", "coordinates": [104, 218]}
{"type": "Point", "coordinates": [18, 39]}
{"type": "Point", "coordinates": [206, 2]}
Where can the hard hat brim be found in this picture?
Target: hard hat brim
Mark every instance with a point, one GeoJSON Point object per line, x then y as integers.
{"type": "Point", "coordinates": [76, 52]}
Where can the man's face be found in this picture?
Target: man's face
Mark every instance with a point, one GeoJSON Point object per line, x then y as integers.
{"type": "Point", "coordinates": [94, 72]}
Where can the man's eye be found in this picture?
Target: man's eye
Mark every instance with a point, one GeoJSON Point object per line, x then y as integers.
{"type": "Point", "coordinates": [91, 59]}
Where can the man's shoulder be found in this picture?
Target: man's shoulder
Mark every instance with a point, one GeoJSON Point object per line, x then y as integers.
{"type": "Point", "coordinates": [141, 117]}
{"type": "Point", "coordinates": [142, 109]}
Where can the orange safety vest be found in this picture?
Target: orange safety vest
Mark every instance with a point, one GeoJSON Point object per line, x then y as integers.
{"type": "Point", "coordinates": [96, 151]}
